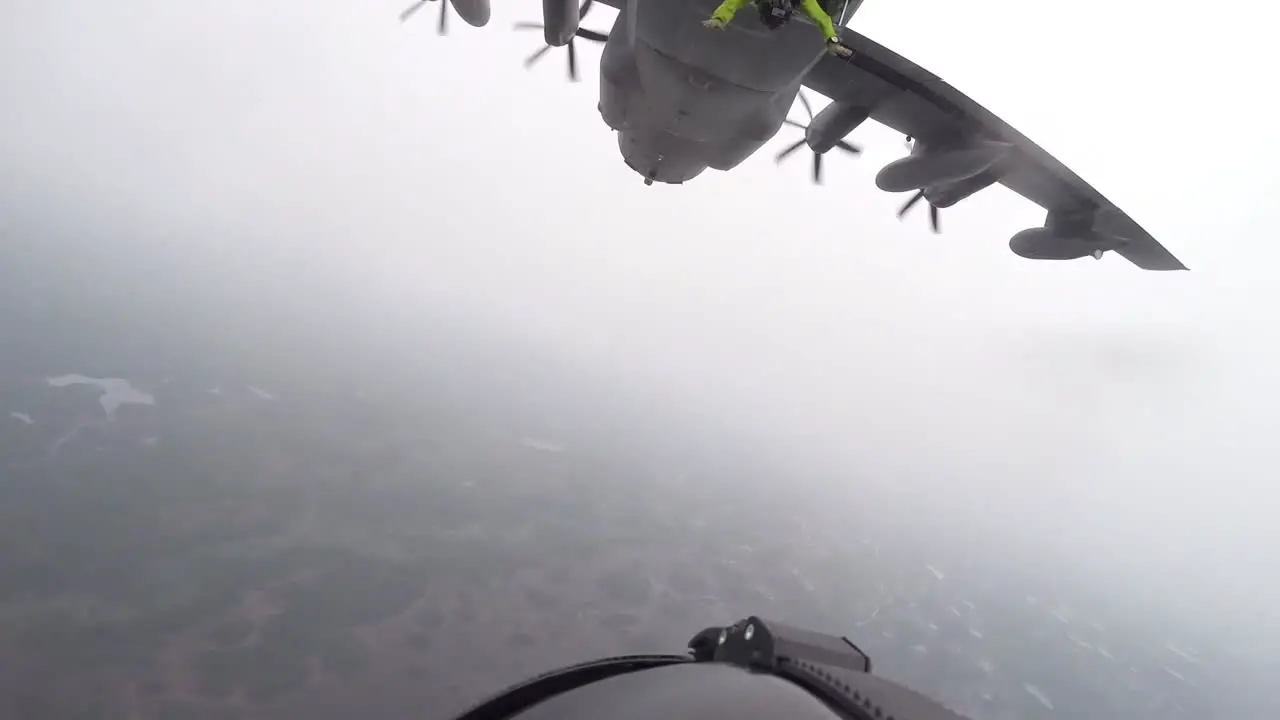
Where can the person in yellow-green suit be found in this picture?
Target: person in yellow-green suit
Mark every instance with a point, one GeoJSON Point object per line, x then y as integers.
{"type": "Point", "coordinates": [776, 13]}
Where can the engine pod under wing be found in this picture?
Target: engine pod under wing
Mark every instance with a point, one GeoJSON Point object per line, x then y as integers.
{"type": "Point", "coordinates": [1045, 244]}
{"type": "Point", "coordinates": [475, 13]}
{"type": "Point", "coordinates": [927, 168]}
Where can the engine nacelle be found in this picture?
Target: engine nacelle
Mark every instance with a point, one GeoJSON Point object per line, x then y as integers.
{"type": "Point", "coordinates": [1046, 244]}
{"type": "Point", "coordinates": [559, 20]}
{"type": "Point", "coordinates": [926, 168]}
{"type": "Point", "coordinates": [832, 124]}
{"type": "Point", "coordinates": [475, 13]}
{"type": "Point", "coordinates": [944, 196]}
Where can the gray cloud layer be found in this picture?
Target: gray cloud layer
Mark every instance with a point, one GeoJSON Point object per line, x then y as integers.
{"type": "Point", "coordinates": [329, 162]}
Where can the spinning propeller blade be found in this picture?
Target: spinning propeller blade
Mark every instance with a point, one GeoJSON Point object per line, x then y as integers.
{"type": "Point", "coordinates": [933, 210]}
{"type": "Point", "coordinates": [817, 157]}
{"type": "Point", "coordinates": [590, 35]}
{"type": "Point", "coordinates": [442, 27]}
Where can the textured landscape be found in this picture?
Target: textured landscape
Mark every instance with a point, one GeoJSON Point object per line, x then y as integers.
{"type": "Point", "coordinates": [185, 547]}
{"type": "Point", "coordinates": [247, 506]}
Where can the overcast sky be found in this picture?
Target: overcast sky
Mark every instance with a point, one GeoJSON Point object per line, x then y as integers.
{"type": "Point", "coordinates": [324, 144]}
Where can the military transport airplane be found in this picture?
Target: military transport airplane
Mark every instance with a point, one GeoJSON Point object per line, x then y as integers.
{"type": "Point", "coordinates": [683, 98]}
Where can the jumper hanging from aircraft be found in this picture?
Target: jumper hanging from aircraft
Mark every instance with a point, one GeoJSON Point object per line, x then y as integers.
{"type": "Point", "coordinates": [683, 98]}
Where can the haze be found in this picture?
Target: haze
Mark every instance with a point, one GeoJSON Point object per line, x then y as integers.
{"type": "Point", "coordinates": [276, 176]}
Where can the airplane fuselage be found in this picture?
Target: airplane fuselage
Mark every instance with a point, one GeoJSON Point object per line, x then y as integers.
{"type": "Point", "coordinates": [683, 97]}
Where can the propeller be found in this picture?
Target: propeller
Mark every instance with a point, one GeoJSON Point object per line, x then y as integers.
{"type": "Point", "coordinates": [583, 33]}
{"type": "Point", "coordinates": [442, 27]}
{"type": "Point", "coordinates": [933, 210]}
{"type": "Point", "coordinates": [817, 157]}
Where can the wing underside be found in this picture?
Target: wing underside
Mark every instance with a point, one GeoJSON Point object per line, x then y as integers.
{"type": "Point", "coordinates": [905, 97]}
{"type": "Point", "coordinates": [901, 95]}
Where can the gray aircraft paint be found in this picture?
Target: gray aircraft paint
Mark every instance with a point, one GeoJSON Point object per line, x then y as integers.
{"type": "Point", "coordinates": [684, 98]}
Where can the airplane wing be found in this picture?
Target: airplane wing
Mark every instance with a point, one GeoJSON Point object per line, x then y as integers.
{"type": "Point", "coordinates": [917, 103]}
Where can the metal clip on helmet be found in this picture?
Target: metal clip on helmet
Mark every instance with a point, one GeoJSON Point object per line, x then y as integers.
{"type": "Point", "coordinates": [751, 670]}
